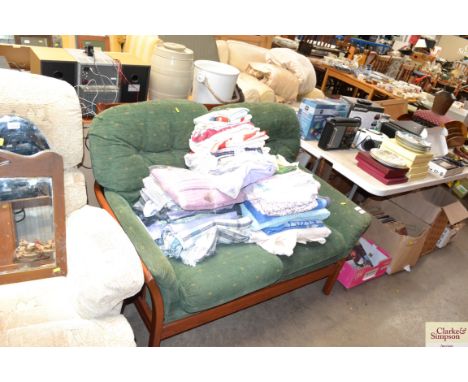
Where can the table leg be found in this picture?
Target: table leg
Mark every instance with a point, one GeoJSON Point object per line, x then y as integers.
{"type": "Point", "coordinates": [324, 83]}
{"type": "Point", "coordinates": [370, 95]}
{"type": "Point", "coordinates": [355, 91]}
{"type": "Point", "coordinates": [303, 158]}
{"type": "Point", "coordinates": [352, 192]}
{"type": "Point", "coordinates": [316, 164]}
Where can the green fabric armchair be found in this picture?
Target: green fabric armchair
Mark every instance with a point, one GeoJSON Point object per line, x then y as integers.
{"type": "Point", "coordinates": [127, 139]}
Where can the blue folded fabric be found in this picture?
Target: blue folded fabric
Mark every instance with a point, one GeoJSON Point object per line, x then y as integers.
{"type": "Point", "coordinates": [260, 221]}
{"type": "Point", "coordinates": [294, 225]}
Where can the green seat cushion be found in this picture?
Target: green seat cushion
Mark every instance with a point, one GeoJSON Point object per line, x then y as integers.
{"type": "Point", "coordinates": [235, 270]}
{"type": "Point", "coordinates": [311, 256]}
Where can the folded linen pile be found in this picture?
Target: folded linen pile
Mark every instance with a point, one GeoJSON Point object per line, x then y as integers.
{"type": "Point", "coordinates": [224, 129]}
{"type": "Point", "coordinates": [286, 209]}
{"type": "Point", "coordinates": [226, 144]}
{"type": "Point", "coordinates": [187, 216]}
{"type": "Point", "coordinates": [187, 212]}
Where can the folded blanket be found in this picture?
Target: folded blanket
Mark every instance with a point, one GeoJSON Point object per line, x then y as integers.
{"type": "Point", "coordinates": [260, 221]}
{"type": "Point", "coordinates": [194, 240]}
{"type": "Point", "coordinates": [192, 190]}
{"type": "Point", "coordinates": [281, 194]}
{"type": "Point", "coordinates": [233, 170]}
{"type": "Point", "coordinates": [284, 242]}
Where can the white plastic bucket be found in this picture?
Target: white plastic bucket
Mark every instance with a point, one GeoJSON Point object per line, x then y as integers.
{"type": "Point", "coordinates": [213, 82]}
{"type": "Point", "coordinates": [171, 72]}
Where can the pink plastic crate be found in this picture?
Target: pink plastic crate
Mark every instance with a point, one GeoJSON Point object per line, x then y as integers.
{"type": "Point", "coordinates": [352, 275]}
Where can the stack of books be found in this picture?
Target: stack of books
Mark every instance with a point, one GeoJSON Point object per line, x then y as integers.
{"type": "Point", "coordinates": [417, 161]}
{"type": "Point", "coordinates": [383, 169]}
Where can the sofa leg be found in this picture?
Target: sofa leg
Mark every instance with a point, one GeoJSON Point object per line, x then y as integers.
{"type": "Point", "coordinates": [331, 279]}
{"type": "Point", "coordinates": [155, 337]}
{"type": "Point", "coordinates": [152, 316]}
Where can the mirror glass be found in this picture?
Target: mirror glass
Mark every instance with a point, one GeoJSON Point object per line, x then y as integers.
{"type": "Point", "coordinates": [27, 229]}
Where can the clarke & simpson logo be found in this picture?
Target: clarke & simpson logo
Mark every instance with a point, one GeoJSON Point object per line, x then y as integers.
{"type": "Point", "coordinates": [446, 334]}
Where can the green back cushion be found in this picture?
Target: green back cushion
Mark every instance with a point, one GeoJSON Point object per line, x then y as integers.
{"type": "Point", "coordinates": [125, 140]}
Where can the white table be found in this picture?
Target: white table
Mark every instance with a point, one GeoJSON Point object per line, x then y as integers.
{"type": "Point", "coordinates": [344, 162]}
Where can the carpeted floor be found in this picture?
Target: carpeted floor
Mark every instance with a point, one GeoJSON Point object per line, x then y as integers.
{"type": "Point", "coordinates": [389, 311]}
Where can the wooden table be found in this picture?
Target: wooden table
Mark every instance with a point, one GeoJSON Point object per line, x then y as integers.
{"type": "Point", "coordinates": [351, 80]}
{"type": "Point", "coordinates": [318, 63]}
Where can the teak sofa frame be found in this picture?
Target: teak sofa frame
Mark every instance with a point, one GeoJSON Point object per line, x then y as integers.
{"type": "Point", "coordinates": [153, 316]}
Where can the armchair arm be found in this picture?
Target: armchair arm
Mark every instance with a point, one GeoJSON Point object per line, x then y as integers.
{"type": "Point", "coordinates": [103, 266]}
{"type": "Point", "coordinates": [101, 199]}
{"type": "Point", "coordinates": [154, 260]}
{"type": "Point", "coordinates": [344, 217]}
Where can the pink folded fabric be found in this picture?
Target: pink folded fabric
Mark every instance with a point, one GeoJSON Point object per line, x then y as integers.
{"type": "Point", "coordinates": [192, 190]}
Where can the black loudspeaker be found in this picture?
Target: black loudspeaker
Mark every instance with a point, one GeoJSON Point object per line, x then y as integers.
{"type": "Point", "coordinates": [62, 70]}
{"type": "Point", "coordinates": [134, 85]}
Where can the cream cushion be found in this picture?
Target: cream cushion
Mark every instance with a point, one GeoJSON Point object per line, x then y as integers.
{"type": "Point", "coordinates": [75, 190]}
{"type": "Point", "coordinates": [254, 90]}
{"type": "Point", "coordinates": [283, 82]}
{"type": "Point", "coordinates": [51, 104]}
{"type": "Point", "coordinates": [242, 53]}
{"type": "Point", "coordinates": [141, 46]}
{"type": "Point", "coordinates": [314, 94]}
{"type": "Point", "coordinates": [296, 63]}
{"type": "Point", "coordinates": [109, 331]}
{"type": "Point", "coordinates": [40, 313]}
{"type": "Point", "coordinates": [223, 51]}
{"type": "Point", "coordinates": [104, 268]}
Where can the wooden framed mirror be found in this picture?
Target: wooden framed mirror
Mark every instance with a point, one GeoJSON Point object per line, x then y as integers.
{"type": "Point", "coordinates": [32, 217]}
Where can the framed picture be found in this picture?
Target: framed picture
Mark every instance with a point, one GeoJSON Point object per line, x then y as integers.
{"type": "Point", "coordinates": [34, 40]}
{"type": "Point", "coordinates": [102, 42]}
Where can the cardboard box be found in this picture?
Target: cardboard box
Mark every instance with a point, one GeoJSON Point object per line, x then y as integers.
{"type": "Point", "coordinates": [352, 274]}
{"type": "Point", "coordinates": [313, 114]}
{"type": "Point", "coordinates": [395, 107]}
{"type": "Point", "coordinates": [18, 56]}
{"type": "Point", "coordinates": [449, 234]}
{"type": "Point", "coordinates": [403, 248]}
{"type": "Point", "coordinates": [438, 208]}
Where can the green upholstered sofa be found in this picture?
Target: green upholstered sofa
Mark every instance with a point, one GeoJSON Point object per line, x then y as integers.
{"type": "Point", "coordinates": [127, 139]}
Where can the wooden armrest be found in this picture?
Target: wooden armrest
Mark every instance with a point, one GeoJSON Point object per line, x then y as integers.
{"type": "Point", "coordinates": [101, 199]}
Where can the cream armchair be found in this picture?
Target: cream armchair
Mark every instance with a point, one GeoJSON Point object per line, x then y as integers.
{"type": "Point", "coordinates": [140, 46]}
{"type": "Point", "coordinates": [82, 308]}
